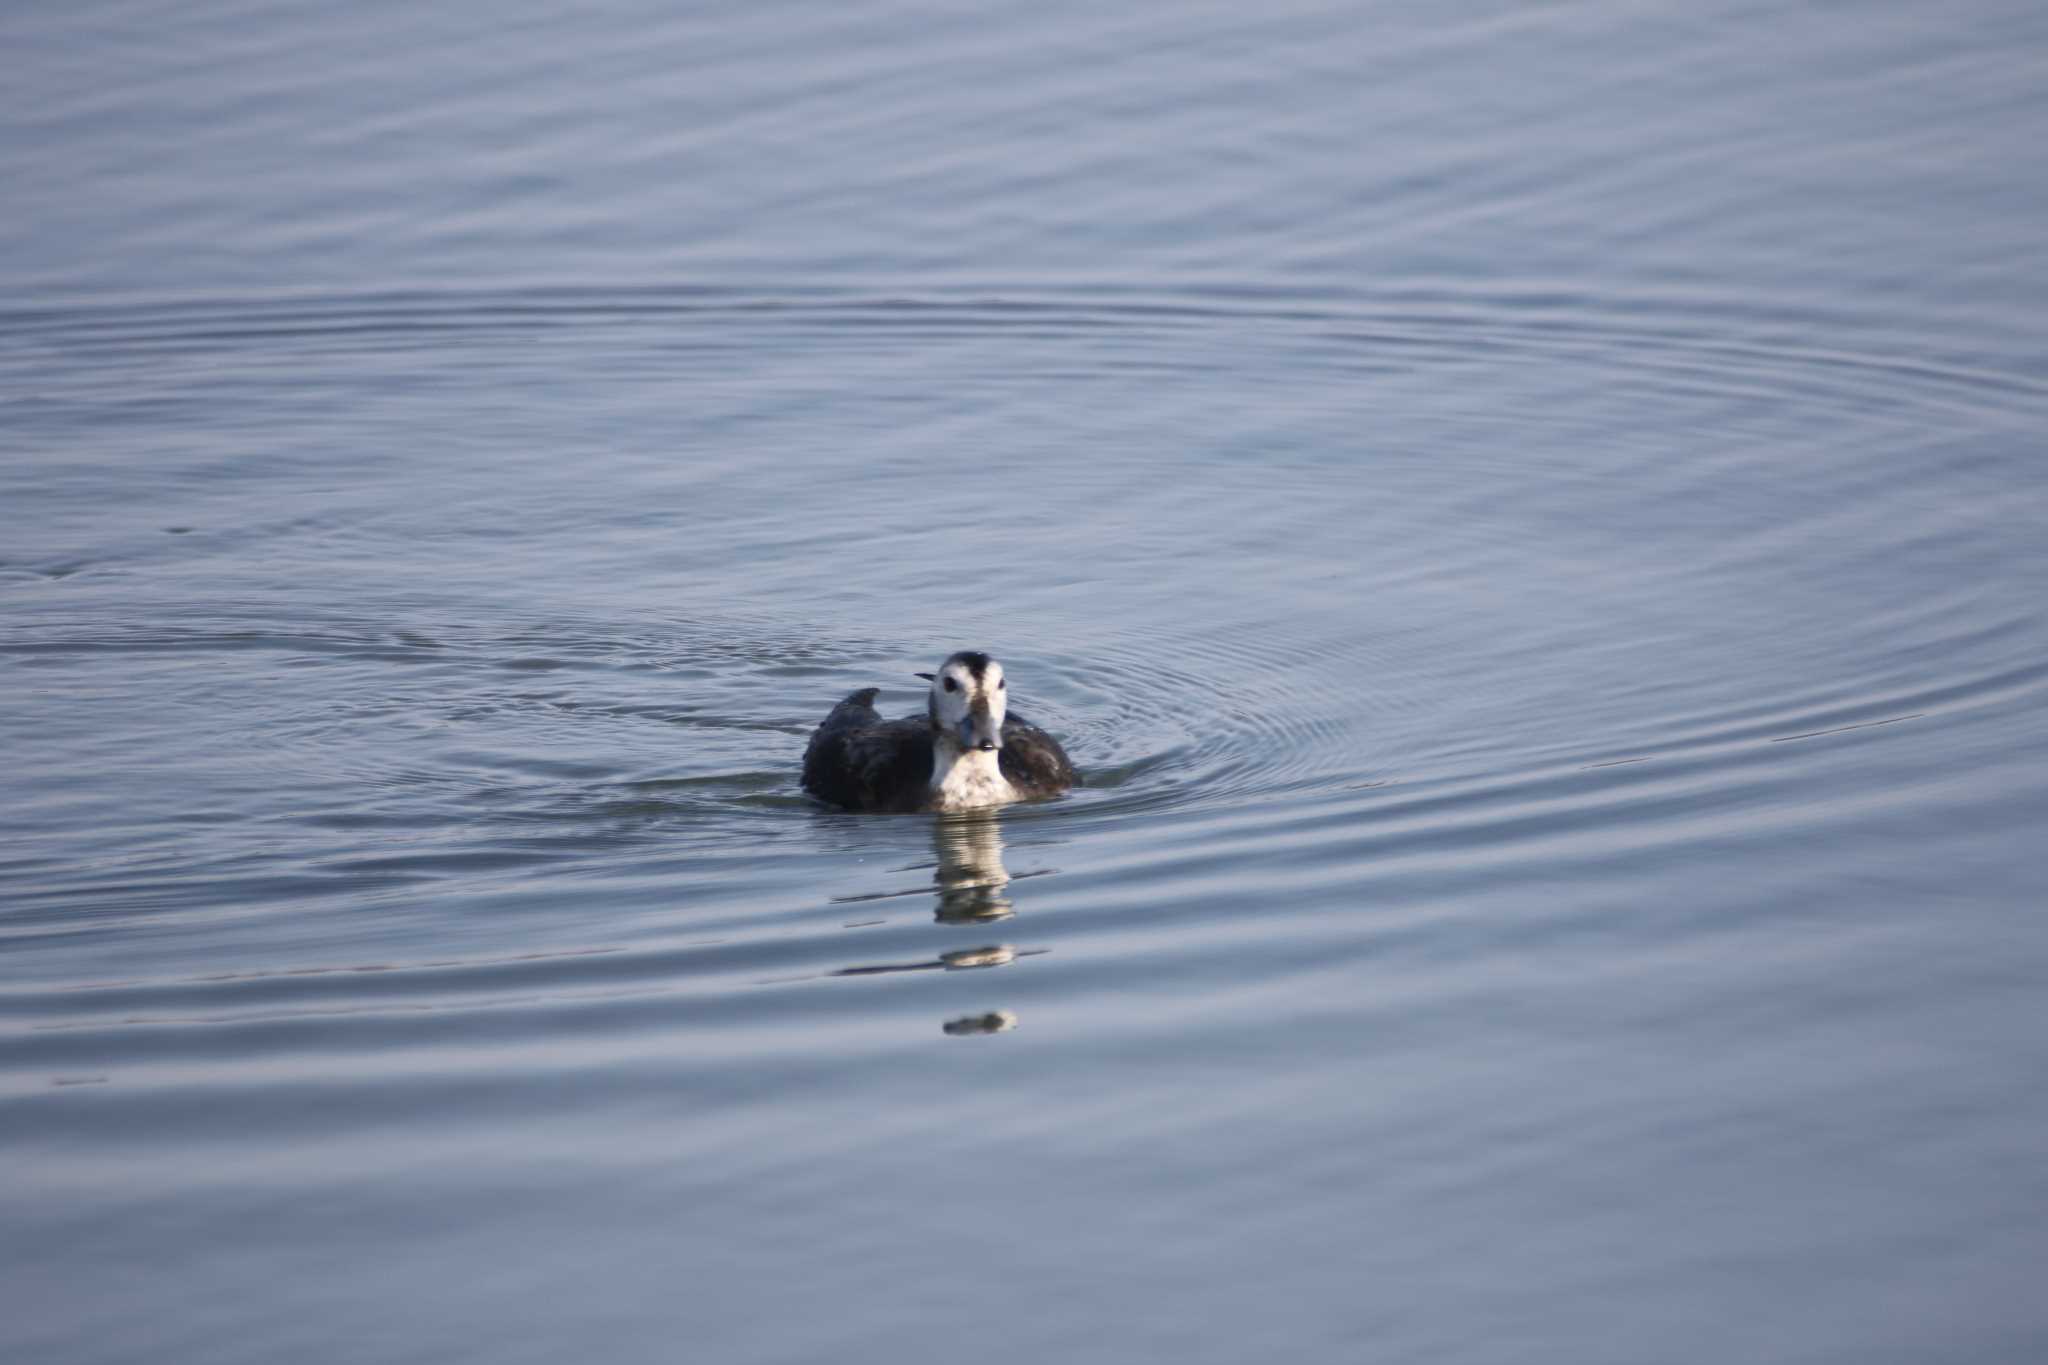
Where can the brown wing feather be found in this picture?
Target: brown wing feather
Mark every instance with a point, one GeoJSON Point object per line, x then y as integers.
{"type": "Point", "coordinates": [1033, 760]}
{"type": "Point", "coordinates": [857, 760]}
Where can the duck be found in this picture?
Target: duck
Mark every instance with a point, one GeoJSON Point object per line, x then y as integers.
{"type": "Point", "coordinates": [964, 751]}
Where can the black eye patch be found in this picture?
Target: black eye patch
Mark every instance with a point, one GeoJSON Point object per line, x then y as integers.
{"type": "Point", "coordinates": [952, 686]}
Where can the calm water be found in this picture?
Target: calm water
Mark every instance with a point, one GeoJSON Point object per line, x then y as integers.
{"type": "Point", "coordinates": [1530, 519]}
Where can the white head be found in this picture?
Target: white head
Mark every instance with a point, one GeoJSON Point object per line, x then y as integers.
{"type": "Point", "coordinates": [968, 700]}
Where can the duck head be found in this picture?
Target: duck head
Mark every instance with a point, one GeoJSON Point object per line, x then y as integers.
{"type": "Point", "coordinates": [967, 701]}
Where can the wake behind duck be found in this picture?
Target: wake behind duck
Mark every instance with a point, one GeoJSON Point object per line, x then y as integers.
{"type": "Point", "coordinates": [964, 752]}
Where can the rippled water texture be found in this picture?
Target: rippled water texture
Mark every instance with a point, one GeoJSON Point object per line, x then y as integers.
{"type": "Point", "coordinates": [1529, 518]}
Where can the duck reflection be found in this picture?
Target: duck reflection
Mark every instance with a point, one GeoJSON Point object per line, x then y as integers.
{"type": "Point", "coordinates": [972, 881]}
{"type": "Point", "coordinates": [995, 1021]}
{"type": "Point", "coordinates": [959, 960]}
{"type": "Point", "coordinates": [972, 887]}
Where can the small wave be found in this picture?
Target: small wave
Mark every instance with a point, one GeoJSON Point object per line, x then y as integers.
{"type": "Point", "coordinates": [1717, 344]}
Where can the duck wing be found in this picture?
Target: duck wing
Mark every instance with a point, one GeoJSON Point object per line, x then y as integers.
{"type": "Point", "coordinates": [858, 760]}
{"type": "Point", "coordinates": [1033, 760]}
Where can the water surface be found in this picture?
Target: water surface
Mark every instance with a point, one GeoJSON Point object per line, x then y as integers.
{"type": "Point", "coordinates": [1529, 519]}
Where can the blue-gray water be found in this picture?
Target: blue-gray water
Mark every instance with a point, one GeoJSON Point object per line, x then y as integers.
{"type": "Point", "coordinates": [1530, 519]}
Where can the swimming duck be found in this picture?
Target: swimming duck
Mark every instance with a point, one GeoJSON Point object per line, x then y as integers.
{"type": "Point", "coordinates": [963, 752]}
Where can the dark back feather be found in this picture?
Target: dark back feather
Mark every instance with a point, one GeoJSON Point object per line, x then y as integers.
{"type": "Point", "coordinates": [857, 760]}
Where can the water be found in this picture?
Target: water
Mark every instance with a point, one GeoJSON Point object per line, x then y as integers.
{"type": "Point", "coordinates": [1529, 519]}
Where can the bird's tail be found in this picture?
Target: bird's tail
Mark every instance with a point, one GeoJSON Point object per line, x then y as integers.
{"type": "Point", "coordinates": [857, 709]}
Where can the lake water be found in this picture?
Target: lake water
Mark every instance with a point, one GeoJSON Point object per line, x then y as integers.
{"type": "Point", "coordinates": [1531, 520]}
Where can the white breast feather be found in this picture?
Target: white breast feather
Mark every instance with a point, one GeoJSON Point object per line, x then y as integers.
{"type": "Point", "coordinates": [973, 778]}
